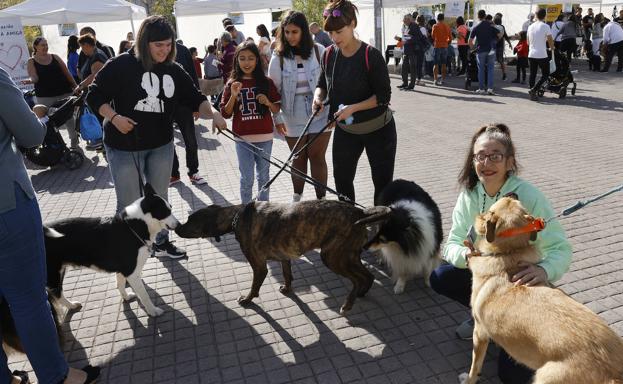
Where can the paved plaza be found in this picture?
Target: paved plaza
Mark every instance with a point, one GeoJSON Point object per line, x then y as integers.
{"type": "Point", "coordinates": [571, 149]}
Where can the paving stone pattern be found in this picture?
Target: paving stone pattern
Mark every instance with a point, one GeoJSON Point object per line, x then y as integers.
{"type": "Point", "coordinates": [569, 148]}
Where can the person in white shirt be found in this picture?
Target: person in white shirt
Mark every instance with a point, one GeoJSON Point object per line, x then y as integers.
{"type": "Point", "coordinates": [539, 37]}
{"type": "Point", "coordinates": [527, 23]}
{"type": "Point", "coordinates": [613, 40]}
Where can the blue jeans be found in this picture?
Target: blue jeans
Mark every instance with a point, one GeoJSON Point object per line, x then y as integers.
{"type": "Point", "coordinates": [155, 166]}
{"type": "Point", "coordinates": [486, 60]}
{"type": "Point", "coordinates": [22, 286]}
{"type": "Point", "coordinates": [248, 156]}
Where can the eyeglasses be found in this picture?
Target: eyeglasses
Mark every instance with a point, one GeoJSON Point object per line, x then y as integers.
{"type": "Point", "coordinates": [332, 12]}
{"type": "Point", "coordinates": [493, 157]}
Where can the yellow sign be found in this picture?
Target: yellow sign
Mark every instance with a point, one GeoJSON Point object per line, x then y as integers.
{"type": "Point", "coordinates": [553, 10]}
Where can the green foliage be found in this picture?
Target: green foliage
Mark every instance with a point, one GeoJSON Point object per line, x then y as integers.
{"type": "Point", "coordinates": [312, 9]}
{"type": "Point", "coordinates": [164, 8]}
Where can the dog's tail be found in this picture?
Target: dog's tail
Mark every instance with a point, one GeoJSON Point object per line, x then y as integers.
{"type": "Point", "coordinates": [374, 215]}
{"type": "Point", "coordinates": [51, 233]}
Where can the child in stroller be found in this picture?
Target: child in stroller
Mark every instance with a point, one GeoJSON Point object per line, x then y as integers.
{"type": "Point", "coordinates": [559, 81]}
{"type": "Point", "coordinates": [53, 149]}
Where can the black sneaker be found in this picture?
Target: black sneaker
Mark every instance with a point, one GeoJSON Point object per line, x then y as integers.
{"type": "Point", "coordinates": [401, 86]}
{"type": "Point", "coordinates": [168, 249]}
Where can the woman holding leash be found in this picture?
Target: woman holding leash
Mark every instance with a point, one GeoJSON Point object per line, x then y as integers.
{"type": "Point", "coordinates": [22, 259]}
{"type": "Point", "coordinates": [354, 76]}
{"type": "Point", "coordinates": [295, 68]}
{"type": "Point", "coordinates": [145, 87]}
{"type": "Point", "coordinates": [487, 175]}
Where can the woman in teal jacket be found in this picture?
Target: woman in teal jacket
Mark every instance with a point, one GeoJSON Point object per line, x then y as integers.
{"type": "Point", "coordinates": [487, 175]}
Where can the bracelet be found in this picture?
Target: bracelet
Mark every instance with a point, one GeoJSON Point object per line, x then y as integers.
{"type": "Point", "coordinates": [113, 117]}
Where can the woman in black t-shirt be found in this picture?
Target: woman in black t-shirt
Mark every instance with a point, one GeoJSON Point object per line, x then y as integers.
{"type": "Point", "coordinates": [354, 75]}
{"type": "Point", "coordinates": [52, 81]}
{"type": "Point", "coordinates": [145, 88]}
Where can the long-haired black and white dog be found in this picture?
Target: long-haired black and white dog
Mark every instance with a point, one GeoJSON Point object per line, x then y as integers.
{"type": "Point", "coordinates": [120, 244]}
{"type": "Point", "coordinates": [410, 236]}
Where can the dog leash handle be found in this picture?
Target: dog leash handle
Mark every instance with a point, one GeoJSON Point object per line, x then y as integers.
{"type": "Point", "coordinates": [569, 210]}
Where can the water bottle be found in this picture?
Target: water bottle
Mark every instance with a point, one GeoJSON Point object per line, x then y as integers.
{"type": "Point", "coordinates": [350, 119]}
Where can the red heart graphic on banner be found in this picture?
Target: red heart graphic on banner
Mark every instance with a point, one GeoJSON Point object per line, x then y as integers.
{"type": "Point", "coordinates": [12, 57]}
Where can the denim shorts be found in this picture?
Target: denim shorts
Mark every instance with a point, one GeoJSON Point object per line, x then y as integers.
{"type": "Point", "coordinates": [295, 123]}
{"type": "Point", "coordinates": [441, 56]}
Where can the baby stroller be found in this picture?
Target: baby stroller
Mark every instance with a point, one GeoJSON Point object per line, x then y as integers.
{"type": "Point", "coordinates": [53, 150]}
{"type": "Point", "coordinates": [559, 81]}
{"type": "Point", "coordinates": [471, 73]}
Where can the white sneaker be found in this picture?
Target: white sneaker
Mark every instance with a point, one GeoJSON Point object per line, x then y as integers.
{"type": "Point", "coordinates": [198, 180]}
{"type": "Point", "coordinates": [490, 91]}
{"type": "Point", "coordinates": [465, 330]}
{"type": "Point", "coordinates": [480, 91]}
{"type": "Point", "coordinates": [296, 197]}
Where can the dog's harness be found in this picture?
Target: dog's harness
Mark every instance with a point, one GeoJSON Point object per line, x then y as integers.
{"type": "Point", "coordinates": [123, 215]}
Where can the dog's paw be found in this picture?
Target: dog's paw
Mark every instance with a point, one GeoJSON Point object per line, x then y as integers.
{"type": "Point", "coordinates": [243, 300]}
{"type": "Point", "coordinates": [129, 296]}
{"type": "Point", "coordinates": [285, 289]}
{"type": "Point", "coordinates": [399, 288]}
{"type": "Point", "coordinates": [464, 379]}
{"type": "Point", "coordinates": [75, 306]}
{"type": "Point", "coordinates": [155, 312]}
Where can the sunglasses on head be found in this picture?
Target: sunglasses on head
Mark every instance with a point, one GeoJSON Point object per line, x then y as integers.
{"type": "Point", "coordinates": [332, 12]}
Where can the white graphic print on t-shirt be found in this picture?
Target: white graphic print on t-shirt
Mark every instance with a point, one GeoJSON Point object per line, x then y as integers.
{"type": "Point", "coordinates": [151, 85]}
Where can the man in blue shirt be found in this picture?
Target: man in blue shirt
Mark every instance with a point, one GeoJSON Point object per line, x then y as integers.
{"type": "Point", "coordinates": [486, 36]}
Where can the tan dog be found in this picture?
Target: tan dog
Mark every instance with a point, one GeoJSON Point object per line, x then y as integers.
{"type": "Point", "coordinates": [539, 326]}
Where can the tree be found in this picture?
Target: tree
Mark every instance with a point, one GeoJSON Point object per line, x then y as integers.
{"type": "Point", "coordinates": [30, 32]}
{"type": "Point", "coordinates": [159, 7]}
{"type": "Point", "coordinates": [312, 9]}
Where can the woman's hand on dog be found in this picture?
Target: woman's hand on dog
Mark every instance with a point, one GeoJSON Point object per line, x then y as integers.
{"type": "Point", "coordinates": [530, 275]}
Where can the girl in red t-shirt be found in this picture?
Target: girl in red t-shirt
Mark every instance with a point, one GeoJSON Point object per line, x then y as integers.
{"type": "Point", "coordinates": [250, 97]}
{"type": "Point", "coordinates": [521, 49]}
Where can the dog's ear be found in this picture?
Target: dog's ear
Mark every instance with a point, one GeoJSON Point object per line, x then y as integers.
{"type": "Point", "coordinates": [491, 224]}
{"type": "Point", "coordinates": [149, 190]}
{"type": "Point", "coordinates": [374, 215]}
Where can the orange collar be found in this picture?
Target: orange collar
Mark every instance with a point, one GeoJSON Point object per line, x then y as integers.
{"type": "Point", "coordinates": [535, 225]}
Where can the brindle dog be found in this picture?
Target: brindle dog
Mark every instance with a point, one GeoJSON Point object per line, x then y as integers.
{"type": "Point", "coordinates": [282, 232]}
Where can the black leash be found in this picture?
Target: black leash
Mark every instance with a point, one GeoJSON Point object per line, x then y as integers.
{"type": "Point", "coordinates": [122, 215]}
{"type": "Point", "coordinates": [292, 153]}
{"type": "Point", "coordinates": [583, 203]}
{"type": "Point", "coordinates": [288, 168]}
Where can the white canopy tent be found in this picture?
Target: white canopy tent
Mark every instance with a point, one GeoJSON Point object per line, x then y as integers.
{"type": "Point", "coordinates": [111, 19]}
{"type": "Point", "coordinates": [199, 21]}
{"type": "Point", "coordinates": [45, 12]}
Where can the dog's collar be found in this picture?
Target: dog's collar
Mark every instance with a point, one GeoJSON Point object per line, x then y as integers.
{"type": "Point", "coordinates": [234, 221]}
{"type": "Point", "coordinates": [123, 216]}
{"type": "Point", "coordinates": [535, 225]}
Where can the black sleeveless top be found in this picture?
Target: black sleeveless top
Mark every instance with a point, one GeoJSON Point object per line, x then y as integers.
{"type": "Point", "coordinates": [52, 81]}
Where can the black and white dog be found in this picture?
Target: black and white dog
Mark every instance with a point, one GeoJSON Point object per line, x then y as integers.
{"type": "Point", "coordinates": [410, 236]}
{"type": "Point", "coordinates": [120, 244]}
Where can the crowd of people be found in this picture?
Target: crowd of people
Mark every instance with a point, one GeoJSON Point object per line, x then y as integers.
{"type": "Point", "coordinates": [426, 48]}
{"type": "Point", "coordinates": [302, 82]}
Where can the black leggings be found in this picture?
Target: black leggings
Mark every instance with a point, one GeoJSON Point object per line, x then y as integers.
{"type": "Point", "coordinates": [522, 64]}
{"type": "Point", "coordinates": [463, 49]}
{"type": "Point", "coordinates": [380, 147]}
